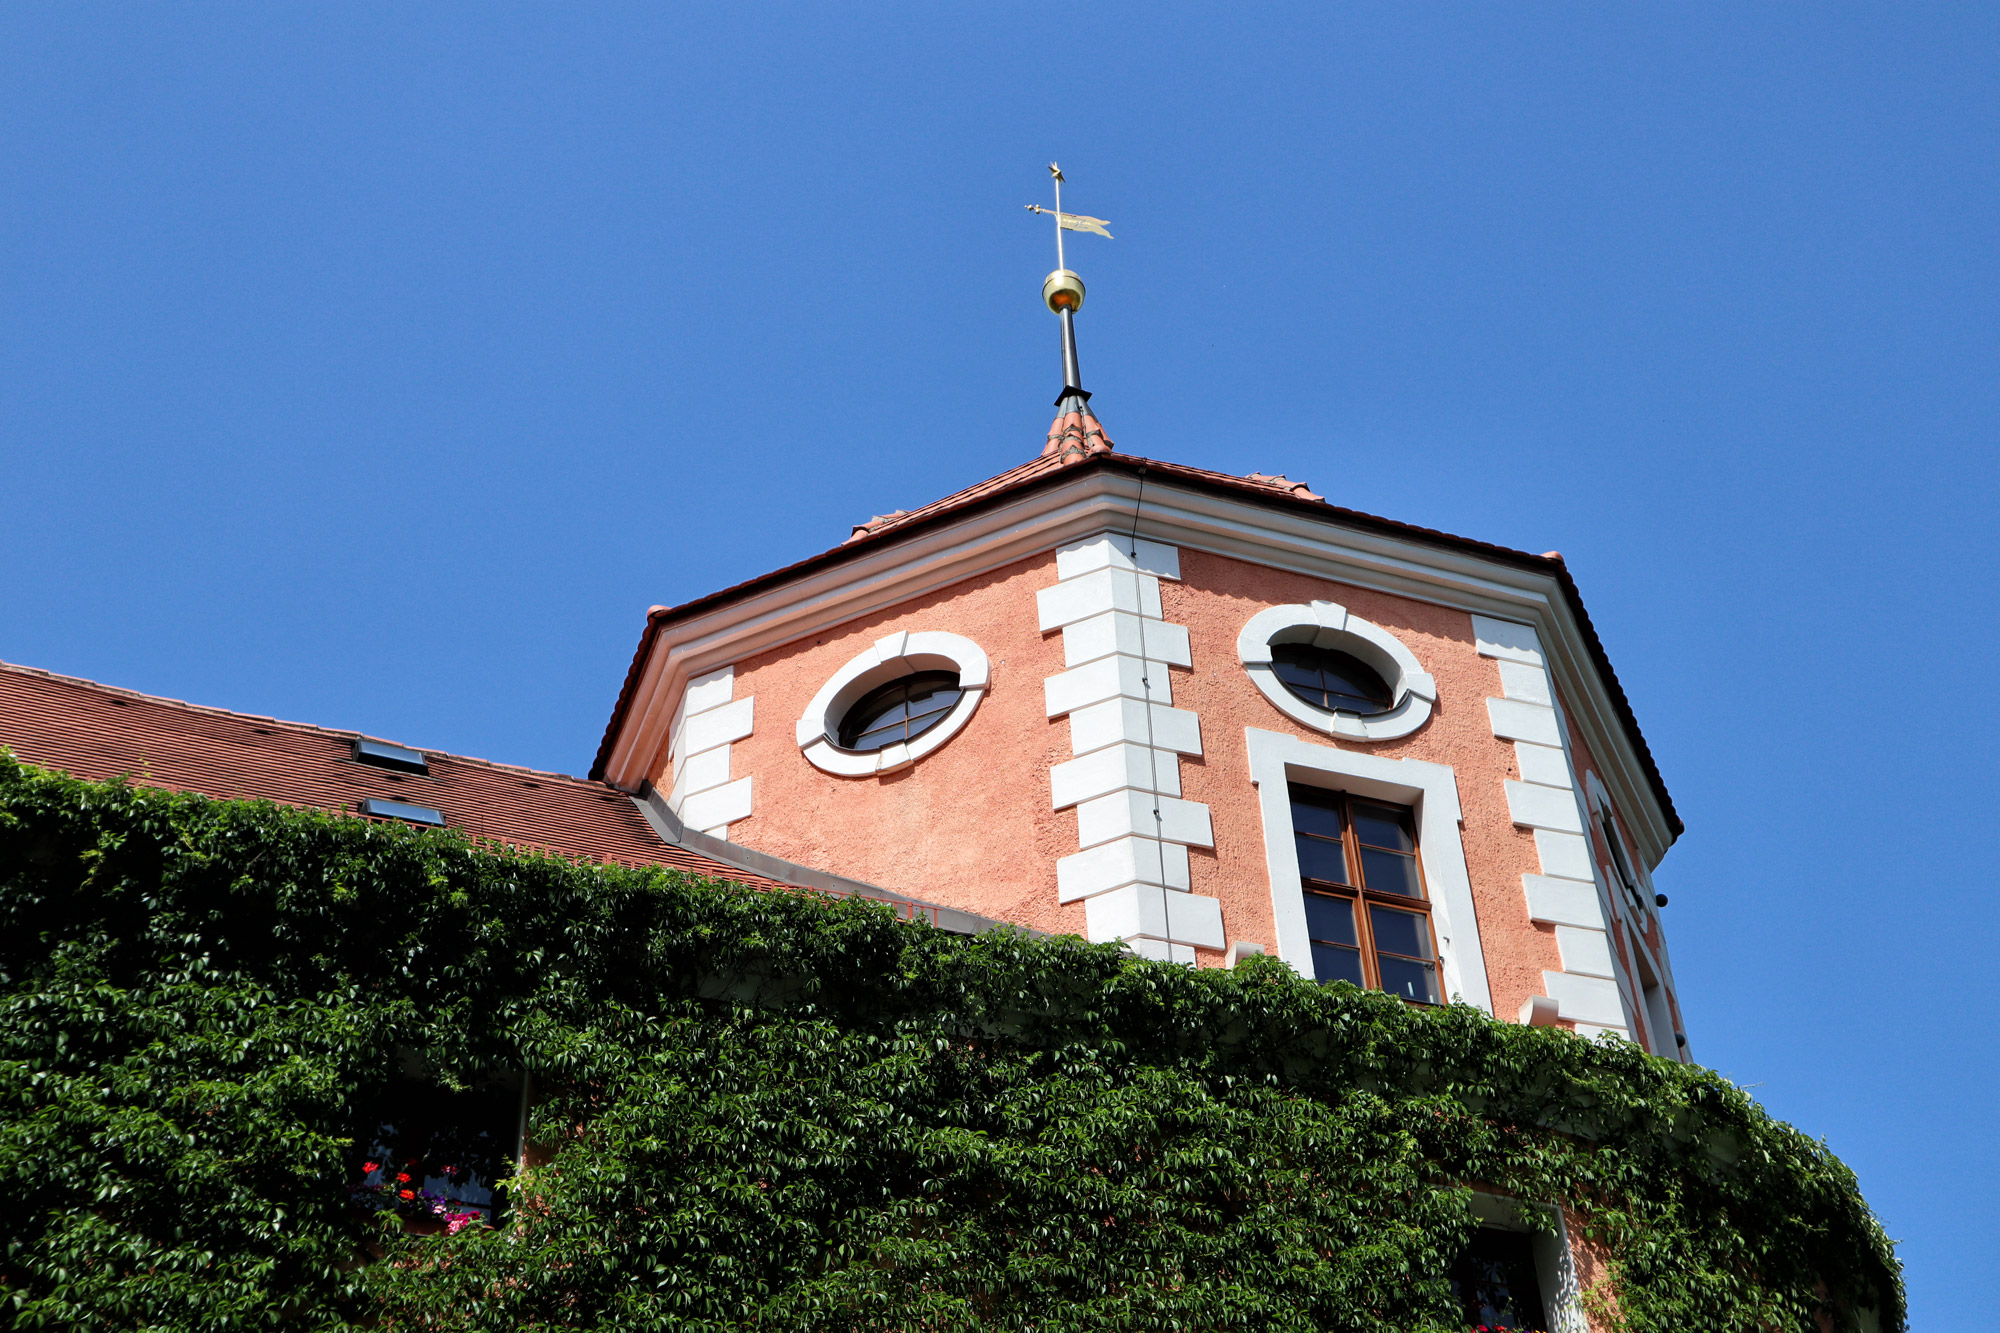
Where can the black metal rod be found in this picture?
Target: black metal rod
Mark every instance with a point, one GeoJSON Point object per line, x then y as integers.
{"type": "Point", "coordinates": [1072, 378]}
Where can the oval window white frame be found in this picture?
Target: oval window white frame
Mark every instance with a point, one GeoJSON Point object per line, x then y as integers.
{"type": "Point", "coordinates": [900, 654]}
{"type": "Point", "coordinates": [1327, 625]}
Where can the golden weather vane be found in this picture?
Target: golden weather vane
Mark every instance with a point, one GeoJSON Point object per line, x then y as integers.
{"type": "Point", "coordinates": [1062, 290]}
{"type": "Point", "coordinates": [1068, 221]}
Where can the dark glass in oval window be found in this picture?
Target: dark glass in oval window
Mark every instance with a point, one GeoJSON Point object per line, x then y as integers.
{"type": "Point", "coordinates": [1336, 681]}
{"type": "Point", "coordinates": [902, 710]}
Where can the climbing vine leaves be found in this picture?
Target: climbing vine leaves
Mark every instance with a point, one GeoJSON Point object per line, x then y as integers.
{"type": "Point", "coordinates": [784, 1112]}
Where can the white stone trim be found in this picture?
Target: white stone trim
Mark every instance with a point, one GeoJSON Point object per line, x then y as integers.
{"type": "Point", "coordinates": [1104, 771]}
{"type": "Point", "coordinates": [1123, 632]}
{"type": "Point", "coordinates": [899, 654]}
{"type": "Point", "coordinates": [1133, 828]}
{"type": "Point", "coordinates": [1585, 951]}
{"type": "Point", "coordinates": [1328, 625]}
{"type": "Point", "coordinates": [1095, 593]}
{"type": "Point", "coordinates": [1147, 557]}
{"type": "Point", "coordinates": [1278, 760]}
{"type": "Point", "coordinates": [1598, 1001]}
{"type": "Point", "coordinates": [1130, 813]}
{"type": "Point", "coordinates": [708, 719]}
{"type": "Point", "coordinates": [1570, 893]}
{"type": "Point", "coordinates": [1106, 678]}
{"type": "Point", "coordinates": [1113, 865]}
{"type": "Point", "coordinates": [1122, 719]}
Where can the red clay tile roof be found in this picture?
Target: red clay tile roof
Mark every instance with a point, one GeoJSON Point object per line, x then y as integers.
{"type": "Point", "coordinates": [1077, 433]}
{"type": "Point", "coordinates": [95, 731]}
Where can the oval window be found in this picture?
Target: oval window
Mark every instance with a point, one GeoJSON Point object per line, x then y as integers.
{"type": "Point", "coordinates": [1338, 682]}
{"type": "Point", "coordinates": [902, 710]}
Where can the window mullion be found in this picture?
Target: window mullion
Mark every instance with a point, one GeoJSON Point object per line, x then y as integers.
{"type": "Point", "coordinates": [1364, 929]}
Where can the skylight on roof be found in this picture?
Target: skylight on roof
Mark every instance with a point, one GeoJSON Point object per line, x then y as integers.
{"type": "Point", "coordinates": [384, 755]}
{"type": "Point", "coordinates": [415, 814]}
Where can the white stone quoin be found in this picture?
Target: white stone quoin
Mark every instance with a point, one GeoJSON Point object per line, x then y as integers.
{"type": "Point", "coordinates": [1133, 826]}
{"type": "Point", "coordinates": [708, 719]}
{"type": "Point", "coordinates": [1567, 894]}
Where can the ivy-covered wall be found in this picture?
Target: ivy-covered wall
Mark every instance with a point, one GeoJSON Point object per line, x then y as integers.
{"type": "Point", "coordinates": [782, 1112]}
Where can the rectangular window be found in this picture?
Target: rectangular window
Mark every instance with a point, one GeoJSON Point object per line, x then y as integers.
{"type": "Point", "coordinates": [1363, 882]}
{"type": "Point", "coordinates": [1496, 1285]}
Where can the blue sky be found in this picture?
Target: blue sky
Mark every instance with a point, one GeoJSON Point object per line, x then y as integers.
{"type": "Point", "coordinates": [377, 366]}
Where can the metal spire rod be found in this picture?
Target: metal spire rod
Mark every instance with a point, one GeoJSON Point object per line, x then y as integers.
{"type": "Point", "coordinates": [1072, 376]}
{"type": "Point", "coordinates": [1056, 171]}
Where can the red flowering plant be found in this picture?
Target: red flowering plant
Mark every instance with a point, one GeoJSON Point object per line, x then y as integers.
{"type": "Point", "coordinates": [405, 1192]}
{"type": "Point", "coordinates": [432, 1155]}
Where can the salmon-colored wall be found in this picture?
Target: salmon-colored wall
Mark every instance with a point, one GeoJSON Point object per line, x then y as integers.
{"type": "Point", "coordinates": [970, 825]}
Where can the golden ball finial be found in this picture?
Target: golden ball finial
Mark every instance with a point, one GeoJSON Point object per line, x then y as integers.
{"type": "Point", "coordinates": [1063, 290]}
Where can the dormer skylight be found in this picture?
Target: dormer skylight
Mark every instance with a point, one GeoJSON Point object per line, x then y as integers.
{"type": "Point", "coordinates": [384, 755]}
{"type": "Point", "coordinates": [414, 814]}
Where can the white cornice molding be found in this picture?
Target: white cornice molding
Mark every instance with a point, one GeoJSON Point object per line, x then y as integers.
{"type": "Point", "coordinates": [892, 571]}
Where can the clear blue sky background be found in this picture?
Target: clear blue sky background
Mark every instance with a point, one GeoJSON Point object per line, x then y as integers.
{"type": "Point", "coordinates": [378, 366]}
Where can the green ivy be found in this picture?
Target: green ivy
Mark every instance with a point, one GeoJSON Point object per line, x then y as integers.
{"type": "Point", "coordinates": [779, 1111]}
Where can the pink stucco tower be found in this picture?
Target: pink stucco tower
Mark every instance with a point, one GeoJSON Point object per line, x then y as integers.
{"type": "Point", "coordinates": [1201, 714]}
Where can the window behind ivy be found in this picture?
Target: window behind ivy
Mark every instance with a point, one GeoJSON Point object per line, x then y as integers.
{"type": "Point", "coordinates": [1496, 1285]}
{"type": "Point", "coordinates": [435, 1156]}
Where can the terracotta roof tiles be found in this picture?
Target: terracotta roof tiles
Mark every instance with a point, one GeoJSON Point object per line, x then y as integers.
{"type": "Point", "coordinates": [99, 732]}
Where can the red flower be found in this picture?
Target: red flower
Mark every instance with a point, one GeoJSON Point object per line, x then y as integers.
{"type": "Point", "coordinates": [402, 1177]}
{"type": "Point", "coordinates": [371, 1167]}
{"type": "Point", "coordinates": [407, 1194]}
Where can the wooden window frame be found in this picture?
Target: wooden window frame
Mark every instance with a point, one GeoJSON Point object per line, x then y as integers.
{"type": "Point", "coordinates": [1359, 894]}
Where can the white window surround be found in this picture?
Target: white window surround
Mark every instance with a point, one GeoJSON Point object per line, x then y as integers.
{"type": "Point", "coordinates": [1328, 625]}
{"type": "Point", "coordinates": [1555, 1267]}
{"type": "Point", "coordinates": [899, 654]}
{"type": "Point", "coordinates": [1278, 760]}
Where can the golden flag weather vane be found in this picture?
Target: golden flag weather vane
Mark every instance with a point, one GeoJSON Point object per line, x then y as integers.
{"type": "Point", "coordinates": [1076, 221]}
{"type": "Point", "coordinates": [1068, 221]}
